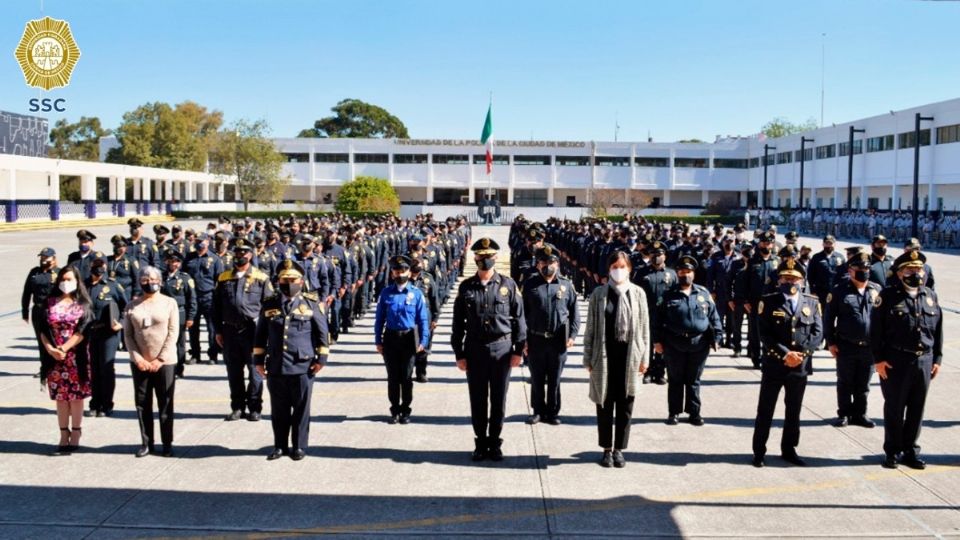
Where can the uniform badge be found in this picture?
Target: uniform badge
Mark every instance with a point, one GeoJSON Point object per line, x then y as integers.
{"type": "Point", "coordinates": [410, 297]}
{"type": "Point", "coordinates": [504, 291]}
{"type": "Point", "coordinates": [700, 298]}
{"type": "Point", "coordinates": [270, 313]}
{"type": "Point", "coordinates": [805, 310]}
{"type": "Point", "coordinates": [829, 297]}
{"type": "Point", "coordinates": [930, 301]}
{"type": "Point", "coordinates": [877, 301]}
{"type": "Point", "coordinates": [760, 308]}
{"type": "Point", "coordinates": [666, 278]}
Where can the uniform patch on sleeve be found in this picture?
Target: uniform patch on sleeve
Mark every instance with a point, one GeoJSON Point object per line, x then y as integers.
{"type": "Point", "coordinates": [760, 308]}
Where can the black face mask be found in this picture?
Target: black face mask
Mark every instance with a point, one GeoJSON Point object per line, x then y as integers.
{"type": "Point", "coordinates": [150, 288]}
{"type": "Point", "coordinates": [46, 264]}
{"type": "Point", "coordinates": [486, 264]}
{"type": "Point", "coordinates": [880, 251]}
{"type": "Point", "coordinates": [860, 275]}
{"type": "Point", "coordinates": [912, 280]}
{"type": "Point", "coordinates": [789, 289]}
{"type": "Point", "coordinates": [291, 289]}
{"type": "Point", "coordinates": [118, 251]}
{"type": "Point", "coordinates": [548, 271]}
{"type": "Point", "coordinates": [764, 251]}
{"type": "Point", "coordinates": [240, 261]}
{"type": "Point", "coordinates": [828, 250]}
{"type": "Point", "coordinates": [401, 279]}
{"type": "Point", "coordinates": [98, 270]}
{"type": "Point", "coordinates": [685, 280]}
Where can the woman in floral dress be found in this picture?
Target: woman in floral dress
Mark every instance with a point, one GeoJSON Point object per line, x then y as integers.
{"type": "Point", "coordinates": [67, 375]}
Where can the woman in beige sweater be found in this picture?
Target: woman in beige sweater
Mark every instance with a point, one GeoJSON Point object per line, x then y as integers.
{"type": "Point", "coordinates": [151, 328]}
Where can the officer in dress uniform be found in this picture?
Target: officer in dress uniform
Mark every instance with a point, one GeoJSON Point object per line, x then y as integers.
{"type": "Point", "coordinates": [140, 247]}
{"type": "Point", "coordinates": [85, 254]}
{"type": "Point", "coordinates": [422, 280]}
{"type": "Point", "coordinates": [180, 286]}
{"type": "Point", "coordinates": [37, 289]}
{"type": "Point", "coordinates": [790, 324]}
{"type": "Point", "coordinates": [553, 321]}
{"type": "Point", "coordinates": [204, 268]}
{"type": "Point", "coordinates": [123, 268]}
{"type": "Point", "coordinates": [906, 333]}
{"type": "Point", "coordinates": [824, 266]}
{"type": "Point", "coordinates": [880, 262]}
{"type": "Point", "coordinates": [108, 299]}
{"type": "Point", "coordinates": [759, 281]}
{"type": "Point", "coordinates": [488, 336]}
{"type": "Point", "coordinates": [237, 301]}
{"type": "Point", "coordinates": [687, 327]}
{"type": "Point", "coordinates": [657, 279]}
{"type": "Point", "coordinates": [290, 347]}
{"type": "Point", "coordinates": [847, 333]}
{"type": "Point", "coordinates": [401, 330]}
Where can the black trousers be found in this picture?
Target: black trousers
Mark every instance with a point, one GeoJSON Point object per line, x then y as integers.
{"type": "Point", "coordinates": [290, 410]}
{"type": "Point", "coordinates": [613, 422]}
{"type": "Point", "coordinates": [684, 370]}
{"type": "Point", "coordinates": [658, 366]}
{"type": "Point", "coordinates": [346, 310]}
{"type": "Point", "coordinates": [103, 353]}
{"type": "Point", "coordinates": [793, 387]}
{"type": "Point", "coordinates": [399, 353]}
{"type": "Point", "coordinates": [726, 319]}
{"type": "Point", "coordinates": [546, 359]}
{"type": "Point", "coordinates": [421, 361]}
{"type": "Point", "coordinates": [204, 313]}
{"type": "Point", "coordinates": [238, 356]}
{"type": "Point", "coordinates": [736, 331]}
{"type": "Point", "coordinates": [488, 378]}
{"type": "Point", "coordinates": [38, 315]}
{"type": "Point", "coordinates": [753, 336]}
{"type": "Point", "coordinates": [145, 386]}
{"type": "Point", "coordinates": [182, 345]}
{"type": "Point", "coordinates": [854, 371]}
{"type": "Point", "coordinates": [904, 396]}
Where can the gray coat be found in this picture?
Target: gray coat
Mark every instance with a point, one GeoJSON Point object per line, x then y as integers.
{"type": "Point", "coordinates": [595, 352]}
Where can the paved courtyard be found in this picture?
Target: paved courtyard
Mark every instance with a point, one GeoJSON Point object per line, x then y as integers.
{"type": "Point", "coordinates": [364, 477]}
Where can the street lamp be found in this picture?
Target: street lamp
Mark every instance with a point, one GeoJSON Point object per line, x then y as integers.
{"type": "Point", "coordinates": [850, 165]}
{"type": "Point", "coordinates": [766, 150]}
{"type": "Point", "coordinates": [916, 169]}
{"type": "Point", "coordinates": [803, 155]}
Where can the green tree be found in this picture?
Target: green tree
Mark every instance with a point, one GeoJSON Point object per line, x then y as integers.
{"type": "Point", "coordinates": [243, 150]}
{"type": "Point", "coordinates": [158, 135]}
{"type": "Point", "coordinates": [781, 127]}
{"type": "Point", "coordinates": [690, 141]}
{"type": "Point", "coordinates": [367, 194]}
{"type": "Point", "coordinates": [79, 141]}
{"type": "Point", "coordinates": [357, 119]}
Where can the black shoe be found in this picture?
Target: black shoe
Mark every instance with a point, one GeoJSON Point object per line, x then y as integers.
{"type": "Point", "coordinates": [167, 451]}
{"type": "Point", "coordinates": [660, 381]}
{"type": "Point", "coordinates": [479, 451]}
{"type": "Point", "coordinates": [404, 419]}
{"type": "Point", "coordinates": [422, 379]}
{"type": "Point", "coordinates": [696, 420]}
{"type": "Point", "coordinates": [554, 421]}
{"type": "Point", "coordinates": [89, 413]}
{"type": "Point", "coordinates": [607, 460]}
{"type": "Point", "coordinates": [841, 422]}
{"type": "Point", "coordinates": [253, 417]}
{"type": "Point", "coordinates": [794, 459]}
{"type": "Point", "coordinates": [101, 414]}
{"type": "Point", "coordinates": [276, 454]}
{"type": "Point", "coordinates": [646, 379]}
{"type": "Point", "coordinates": [298, 454]}
{"type": "Point", "coordinates": [494, 451]}
{"type": "Point", "coordinates": [889, 462]}
{"type": "Point", "coordinates": [191, 361]}
{"type": "Point", "coordinates": [394, 419]}
{"type": "Point", "coordinates": [736, 354]}
{"type": "Point", "coordinates": [671, 420]}
{"type": "Point", "coordinates": [863, 421]}
{"type": "Point", "coordinates": [178, 375]}
{"type": "Point", "coordinates": [143, 451]}
{"type": "Point", "coordinates": [64, 448]}
{"type": "Point", "coordinates": [914, 462]}
{"type": "Point", "coordinates": [234, 416]}
{"type": "Point", "coordinates": [618, 460]}
{"type": "Point", "coordinates": [533, 419]}
{"type": "Point", "coordinates": [758, 462]}
{"type": "Point", "coordinates": [108, 413]}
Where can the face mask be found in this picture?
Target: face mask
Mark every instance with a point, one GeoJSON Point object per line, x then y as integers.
{"type": "Point", "coordinates": [880, 251]}
{"type": "Point", "coordinates": [46, 264]}
{"type": "Point", "coordinates": [828, 250]}
{"type": "Point", "coordinates": [402, 279]}
{"type": "Point", "coordinates": [150, 288]}
{"type": "Point", "coordinates": [291, 289]}
{"type": "Point", "coordinates": [912, 280]}
{"type": "Point", "coordinates": [84, 248]}
{"type": "Point", "coordinates": [548, 271]}
{"type": "Point", "coordinates": [619, 275]}
{"type": "Point", "coordinates": [659, 259]}
{"type": "Point", "coordinates": [240, 261]}
{"type": "Point", "coordinates": [134, 231]}
{"type": "Point", "coordinates": [68, 287]}
{"type": "Point", "coordinates": [118, 251]}
{"type": "Point", "coordinates": [306, 246]}
{"type": "Point", "coordinates": [685, 280]}
{"type": "Point", "coordinates": [860, 275]}
{"type": "Point", "coordinates": [789, 289]}
{"type": "Point", "coordinates": [764, 251]}
{"type": "Point", "coordinates": [486, 264]}
{"type": "Point", "coordinates": [98, 270]}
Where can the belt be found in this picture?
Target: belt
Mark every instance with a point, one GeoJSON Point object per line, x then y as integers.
{"type": "Point", "coordinates": [910, 351]}
{"type": "Point", "coordinates": [544, 334]}
{"type": "Point", "coordinates": [398, 333]}
{"type": "Point", "coordinates": [687, 335]}
{"type": "Point", "coordinates": [488, 339]}
{"type": "Point", "coordinates": [856, 343]}
{"type": "Point", "coordinates": [235, 324]}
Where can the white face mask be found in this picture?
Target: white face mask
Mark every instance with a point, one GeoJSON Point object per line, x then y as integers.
{"type": "Point", "coordinates": [67, 287]}
{"type": "Point", "coordinates": [619, 275]}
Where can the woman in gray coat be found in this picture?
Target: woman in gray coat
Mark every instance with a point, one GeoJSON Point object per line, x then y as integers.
{"type": "Point", "coordinates": [616, 344]}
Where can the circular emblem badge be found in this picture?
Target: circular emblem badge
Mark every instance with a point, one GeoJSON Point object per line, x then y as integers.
{"type": "Point", "coordinates": [47, 53]}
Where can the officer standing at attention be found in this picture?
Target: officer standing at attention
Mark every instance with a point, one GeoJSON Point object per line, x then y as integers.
{"type": "Point", "coordinates": [687, 327]}
{"type": "Point", "coordinates": [553, 321]}
{"type": "Point", "coordinates": [37, 288]}
{"type": "Point", "coordinates": [401, 331]}
{"type": "Point", "coordinates": [204, 267]}
{"type": "Point", "coordinates": [906, 333]}
{"type": "Point", "coordinates": [123, 268]}
{"type": "Point", "coordinates": [847, 331]}
{"type": "Point", "coordinates": [140, 247]}
{"type": "Point", "coordinates": [655, 282]}
{"type": "Point", "coordinates": [422, 280]}
{"type": "Point", "coordinates": [179, 286]}
{"type": "Point", "coordinates": [108, 300]}
{"type": "Point", "coordinates": [85, 254]}
{"type": "Point", "coordinates": [237, 301]}
{"type": "Point", "coordinates": [790, 325]}
{"type": "Point", "coordinates": [290, 347]}
{"type": "Point", "coordinates": [488, 336]}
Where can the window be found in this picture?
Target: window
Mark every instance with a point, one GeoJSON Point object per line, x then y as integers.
{"type": "Point", "coordinates": [531, 160]}
{"type": "Point", "coordinates": [696, 163]}
{"type": "Point", "coordinates": [406, 159]}
{"type": "Point", "coordinates": [530, 197]}
{"type": "Point", "coordinates": [905, 140]}
{"type": "Point", "coordinates": [844, 149]}
{"type": "Point", "coordinates": [449, 195]}
{"type": "Point", "coordinates": [479, 159]}
{"type": "Point", "coordinates": [575, 161]}
{"type": "Point", "coordinates": [451, 159]}
{"type": "Point", "coordinates": [948, 134]}
{"type": "Point", "coordinates": [370, 158]}
{"type": "Point", "coordinates": [769, 159]}
{"type": "Point", "coordinates": [331, 158]}
{"type": "Point", "coordinates": [297, 158]}
{"type": "Point", "coordinates": [827, 151]}
{"type": "Point", "coordinates": [652, 161]}
{"type": "Point", "coordinates": [807, 155]}
{"type": "Point", "coordinates": [730, 163]}
{"type": "Point", "coordinates": [880, 144]}
{"type": "Point", "coordinates": [784, 157]}
{"type": "Point", "coordinates": [754, 162]}
{"type": "Point", "coordinates": [873, 203]}
{"type": "Point", "coordinates": [610, 161]}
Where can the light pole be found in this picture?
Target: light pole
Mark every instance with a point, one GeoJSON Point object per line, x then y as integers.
{"type": "Point", "coordinates": [850, 164]}
{"type": "Point", "coordinates": [916, 169]}
{"type": "Point", "coordinates": [766, 152]}
{"type": "Point", "coordinates": [803, 156]}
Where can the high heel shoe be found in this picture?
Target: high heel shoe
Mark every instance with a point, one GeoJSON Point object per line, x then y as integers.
{"type": "Point", "coordinates": [75, 447]}
{"type": "Point", "coordinates": [64, 448]}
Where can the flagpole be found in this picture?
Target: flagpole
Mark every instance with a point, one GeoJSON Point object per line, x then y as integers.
{"type": "Point", "coordinates": [490, 174]}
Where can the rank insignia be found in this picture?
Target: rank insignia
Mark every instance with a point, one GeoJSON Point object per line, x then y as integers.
{"type": "Point", "coordinates": [504, 291]}
{"type": "Point", "coordinates": [805, 310]}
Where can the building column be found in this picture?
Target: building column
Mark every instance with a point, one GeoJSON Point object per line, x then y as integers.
{"type": "Point", "coordinates": [793, 198]}
{"type": "Point", "coordinates": [11, 210]}
{"type": "Point", "coordinates": [553, 181]}
{"type": "Point", "coordinates": [704, 197]}
{"type": "Point", "coordinates": [932, 196]}
{"type": "Point", "coordinates": [145, 190]}
{"type": "Point", "coordinates": [311, 177]}
{"type": "Point", "coordinates": [53, 181]}
{"type": "Point", "coordinates": [88, 194]}
{"type": "Point", "coordinates": [666, 197]}
{"type": "Point", "coordinates": [836, 197]}
{"type": "Point", "coordinates": [512, 179]}
{"type": "Point", "coordinates": [471, 191]}
{"type": "Point", "coordinates": [205, 187]}
{"type": "Point", "coordinates": [429, 179]}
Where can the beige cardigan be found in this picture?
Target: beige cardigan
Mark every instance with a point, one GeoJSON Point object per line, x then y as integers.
{"type": "Point", "coordinates": [595, 351]}
{"type": "Point", "coordinates": [152, 328]}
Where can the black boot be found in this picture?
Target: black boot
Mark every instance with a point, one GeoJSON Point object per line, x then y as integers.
{"type": "Point", "coordinates": [494, 451]}
{"type": "Point", "coordinates": [480, 449]}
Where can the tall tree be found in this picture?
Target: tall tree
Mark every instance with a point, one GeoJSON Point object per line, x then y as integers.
{"type": "Point", "coordinates": [357, 119]}
{"type": "Point", "coordinates": [781, 127]}
{"type": "Point", "coordinates": [80, 140]}
{"type": "Point", "coordinates": [367, 194]}
{"type": "Point", "coordinates": [158, 135]}
{"type": "Point", "coordinates": [243, 150]}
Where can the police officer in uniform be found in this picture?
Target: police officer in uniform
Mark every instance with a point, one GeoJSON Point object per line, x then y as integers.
{"type": "Point", "coordinates": [85, 254]}
{"type": "Point", "coordinates": [758, 282]}
{"type": "Point", "coordinates": [553, 321]}
{"type": "Point", "coordinates": [790, 325]}
{"type": "Point", "coordinates": [880, 263]}
{"type": "Point", "coordinates": [422, 280]}
{"type": "Point", "coordinates": [108, 299]}
{"type": "Point", "coordinates": [180, 286]}
{"type": "Point", "coordinates": [123, 268]}
{"type": "Point", "coordinates": [687, 327]}
{"type": "Point", "coordinates": [237, 301]}
{"type": "Point", "coordinates": [401, 331]}
{"type": "Point", "coordinates": [37, 288]}
{"type": "Point", "coordinates": [655, 282]}
{"type": "Point", "coordinates": [906, 333]}
{"type": "Point", "coordinates": [204, 268]}
{"type": "Point", "coordinates": [847, 332]}
{"type": "Point", "coordinates": [488, 336]}
{"type": "Point", "coordinates": [140, 247]}
{"type": "Point", "coordinates": [290, 347]}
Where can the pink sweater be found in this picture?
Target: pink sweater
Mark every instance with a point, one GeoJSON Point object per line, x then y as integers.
{"type": "Point", "coordinates": [152, 328]}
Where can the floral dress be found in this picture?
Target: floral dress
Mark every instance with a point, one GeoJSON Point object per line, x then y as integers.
{"type": "Point", "coordinates": [65, 380]}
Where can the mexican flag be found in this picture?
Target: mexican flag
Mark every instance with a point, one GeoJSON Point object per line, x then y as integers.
{"type": "Point", "coordinates": [486, 138]}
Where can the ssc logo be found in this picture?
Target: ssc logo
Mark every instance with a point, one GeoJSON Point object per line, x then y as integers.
{"type": "Point", "coordinates": [47, 53]}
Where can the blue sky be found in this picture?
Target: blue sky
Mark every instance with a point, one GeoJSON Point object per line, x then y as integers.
{"type": "Point", "coordinates": [557, 69]}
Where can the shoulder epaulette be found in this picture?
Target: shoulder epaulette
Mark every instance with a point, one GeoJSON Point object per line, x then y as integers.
{"type": "Point", "coordinates": [312, 295]}
{"type": "Point", "coordinates": [259, 274]}
{"type": "Point", "coordinates": [226, 275]}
